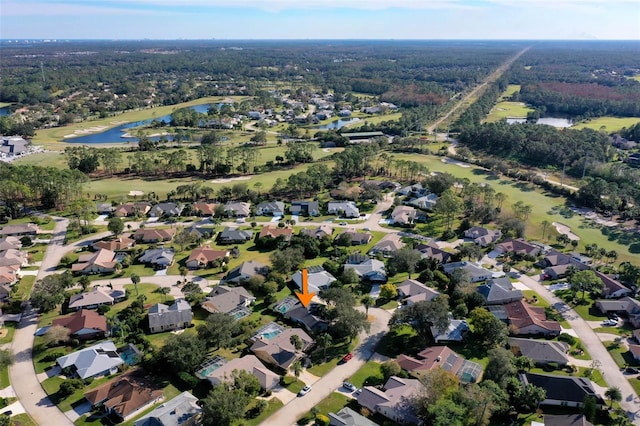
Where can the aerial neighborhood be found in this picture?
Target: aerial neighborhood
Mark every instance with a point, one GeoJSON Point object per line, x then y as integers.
{"type": "Point", "coordinates": [298, 253]}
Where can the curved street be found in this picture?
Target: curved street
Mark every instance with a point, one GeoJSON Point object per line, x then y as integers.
{"type": "Point", "coordinates": [591, 342]}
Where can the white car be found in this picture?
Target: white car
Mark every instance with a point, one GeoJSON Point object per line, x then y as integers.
{"type": "Point", "coordinates": [609, 323]}
{"type": "Point", "coordinates": [305, 390]}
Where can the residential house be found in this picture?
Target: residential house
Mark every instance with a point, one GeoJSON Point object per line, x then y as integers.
{"type": "Point", "coordinates": [100, 359]}
{"type": "Point", "coordinates": [244, 272]}
{"type": "Point", "coordinates": [348, 417]}
{"type": "Point", "coordinates": [83, 325]}
{"type": "Point", "coordinates": [165, 318]}
{"type": "Point", "coordinates": [557, 265]}
{"type": "Point", "coordinates": [153, 235]}
{"type": "Point", "coordinates": [125, 396]}
{"type": "Point", "coordinates": [412, 291]}
{"type": "Point", "coordinates": [204, 209]}
{"type": "Point", "coordinates": [388, 245]}
{"type": "Point", "coordinates": [305, 208]}
{"type": "Point", "coordinates": [100, 262]}
{"type": "Point", "coordinates": [566, 420]}
{"type": "Point", "coordinates": [270, 208]}
{"type": "Point", "coordinates": [229, 300]}
{"type": "Point", "coordinates": [542, 352]}
{"type": "Point", "coordinates": [432, 251]}
{"type": "Point", "coordinates": [455, 332]}
{"type": "Point", "coordinates": [166, 210]}
{"type": "Point", "coordinates": [90, 300]}
{"type": "Point", "coordinates": [322, 231]}
{"type": "Point", "coordinates": [394, 401]}
{"type": "Point", "coordinates": [13, 146]}
{"type": "Point", "coordinates": [6, 281]}
{"type": "Point", "coordinates": [518, 247]}
{"type": "Point", "coordinates": [237, 209]}
{"type": "Point", "coordinates": [234, 236]}
{"type": "Point", "coordinates": [205, 257]}
{"type": "Point", "coordinates": [498, 291]}
{"type": "Point", "coordinates": [613, 289]}
{"type": "Point", "coordinates": [525, 319]}
{"type": "Point", "coordinates": [249, 363]}
{"type": "Point", "coordinates": [563, 391]}
{"type": "Point", "coordinates": [10, 243]}
{"type": "Point", "coordinates": [158, 258]}
{"type": "Point", "coordinates": [20, 230]}
{"type": "Point", "coordinates": [117, 244]}
{"type": "Point", "coordinates": [635, 351]}
{"type": "Point", "coordinates": [403, 215]}
{"type": "Point", "coordinates": [305, 317]}
{"type": "Point", "coordinates": [105, 208]}
{"type": "Point", "coordinates": [343, 209]}
{"type": "Point", "coordinates": [272, 231]}
{"type": "Point", "coordinates": [317, 278]}
{"type": "Point", "coordinates": [279, 350]}
{"type": "Point", "coordinates": [13, 257]}
{"type": "Point", "coordinates": [483, 236]}
{"type": "Point", "coordinates": [357, 238]}
{"type": "Point", "coordinates": [132, 209]}
{"type": "Point", "coordinates": [416, 190]}
{"type": "Point", "coordinates": [203, 232]}
{"type": "Point", "coordinates": [424, 202]}
{"type": "Point", "coordinates": [183, 410]}
{"type": "Point", "coordinates": [369, 270]}
{"type": "Point", "coordinates": [626, 306]}
{"type": "Point", "coordinates": [441, 357]}
{"type": "Point", "coordinates": [476, 272]}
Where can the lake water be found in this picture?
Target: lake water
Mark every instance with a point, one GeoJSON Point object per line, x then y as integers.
{"type": "Point", "coordinates": [337, 124]}
{"type": "Point", "coordinates": [115, 134]}
{"type": "Point", "coordinates": [4, 111]}
{"type": "Point", "coordinates": [551, 121]}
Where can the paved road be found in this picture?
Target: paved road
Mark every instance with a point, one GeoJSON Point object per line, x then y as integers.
{"type": "Point", "coordinates": [22, 373]}
{"type": "Point", "coordinates": [610, 371]}
{"type": "Point", "coordinates": [298, 407]}
{"type": "Point", "coordinates": [490, 79]}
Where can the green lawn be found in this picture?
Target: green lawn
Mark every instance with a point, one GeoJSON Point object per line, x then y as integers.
{"type": "Point", "coordinates": [274, 405]}
{"type": "Point", "coordinates": [52, 384]}
{"type": "Point", "coordinates": [10, 327]}
{"type": "Point", "coordinates": [596, 376]}
{"type": "Point", "coordinates": [621, 355]}
{"type": "Point", "coordinates": [508, 109]}
{"type": "Point", "coordinates": [334, 355]}
{"type": "Point", "coordinates": [331, 404]}
{"type": "Point", "coordinates": [22, 420]}
{"type": "Point", "coordinates": [292, 384]}
{"type": "Point", "coordinates": [608, 124]}
{"type": "Point", "coordinates": [4, 377]}
{"type": "Point", "coordinates": [23, 287]}
{"type": "Point", "coordinates": [371, 371]}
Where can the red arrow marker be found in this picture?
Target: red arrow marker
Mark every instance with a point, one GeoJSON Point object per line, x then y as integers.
{"type": "Point", "coordinates": [305, 297]}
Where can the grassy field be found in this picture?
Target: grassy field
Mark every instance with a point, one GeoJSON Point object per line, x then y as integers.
{"type": "Point", "coordinates": [22, 420]}
{"type": "Point", "coordinates": [608, 124]}
{"type": "Point", "coordinates": [56, 134]}
{"type": "Point", "coordinates": [4, 104]}
{"type": "Point", "coordinates": [635, 77]}
{"type": "Point", "coordinates": [508, 109]}
{"type": "Point", "coordinates": [509, 91]}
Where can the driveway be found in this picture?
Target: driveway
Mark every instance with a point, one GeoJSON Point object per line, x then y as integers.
{"type": "Point", "coordinates": [591, 342]}
{"type": "Point", "coordinates": [323, 387]}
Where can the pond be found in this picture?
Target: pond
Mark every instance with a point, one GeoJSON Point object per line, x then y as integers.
{"type": "Point", "coordinates": [119, 133]}
{"type": "Point", "coordinates": [550, 121]}
{"type": "Point", "coordinates": [4, 111]}
{"type": "Point", "coordinates": [337, 124]}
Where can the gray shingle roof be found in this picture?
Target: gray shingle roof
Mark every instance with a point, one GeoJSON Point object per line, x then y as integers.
{"type": "Point", "coordinates": [175, 412]}
{"type": "Point", "coordinates": [93, 360]}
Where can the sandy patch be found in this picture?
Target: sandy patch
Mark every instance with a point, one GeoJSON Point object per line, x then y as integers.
{"type": "Point", "coordinates": [326, 150]}
{"type": "Point", "coordinates": [136, 193]}
{"type": "Point", "coordinates": [455, 162]}
{"type": "Point", "coordinates": [227, 180]}
{"type": "Point", "coordinates": [564, 229]}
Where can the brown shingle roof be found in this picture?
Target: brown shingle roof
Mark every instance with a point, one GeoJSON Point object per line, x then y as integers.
{"type": "Point", "coordinates": [82, 319]}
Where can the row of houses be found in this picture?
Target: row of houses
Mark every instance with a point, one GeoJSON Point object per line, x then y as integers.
{"type": "Point", "coordinates": [12, 259]}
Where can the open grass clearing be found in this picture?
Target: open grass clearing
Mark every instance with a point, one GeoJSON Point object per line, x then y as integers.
{"type": "Point", "coordinates": [367, 374]}
{"type": "Point", "coordinates": [274, 404]}
{"type": "Point", "coordinates": [22, 419]}
{"type": "Point", "coordinates": [7, 332]}
{"type": "Point", "coordinates": [608, 124]}
{"type": "Point", "coordinates": [4, 377]}
{"type": "Point", "coordinates": [508, 109]}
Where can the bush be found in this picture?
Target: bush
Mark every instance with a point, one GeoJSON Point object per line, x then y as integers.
{"type": "Point", "coordinates": [68, 387]}
{"type": "Point", "coordinates": [189, 379]}
{"type": "Point", "coordinates": [322, 420]}
{"type": "Point", "coordinates": [567, 338]}
{"type": "Point", "coordinates": [53, 356]}
{"type": "Point", "coordinates": [103, 309]}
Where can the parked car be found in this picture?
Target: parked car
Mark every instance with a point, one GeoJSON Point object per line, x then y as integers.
{"type": "Point", "coordinates": [609, 323]}
{"type": "Point", "coordinates": [305, 390]}
{"type": "Point", "coordinates": [631, 370]}
{"type": "Point", "coordinates": [349, 386]}
{"type": "Point", "coordinates": [347, 357]}
{"type": "Point", "coordinates": [358, 391]}
{"type": "Point", "coordinates": [343, 224]}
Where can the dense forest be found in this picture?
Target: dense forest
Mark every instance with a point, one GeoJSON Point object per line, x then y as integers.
{"type": "Point", "coordinates": [591, 81]}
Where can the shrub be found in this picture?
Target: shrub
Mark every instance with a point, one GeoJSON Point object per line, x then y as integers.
{"type": "Point", "coordinates": [567, 338]}
{"type": "Point", "coordinates": [69, 386]}
{"type": "Point", "coordinates": [322, 420]}
{"type": "Point", "coordinates": [189, 379]}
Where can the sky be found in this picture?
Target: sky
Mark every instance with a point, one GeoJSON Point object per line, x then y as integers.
{"type": "Point", "coordinates": [320, 19]}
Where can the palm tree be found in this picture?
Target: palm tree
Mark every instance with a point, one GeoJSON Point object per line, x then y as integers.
{"type": "Point", "coordinates": [135, 279]}
{"type": "Point", "coordinates": [612, 256]}
{"type": "Point", "coordinates": [366, 302]}
{"type": "Point", "coordinates": [164, 291]}
{"type": "Point", "coordinates": [324, 341]}
{"type": "Point", "coordinates": [297, 368]}
{"type": "Point", "coordinates": [613, 394]}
